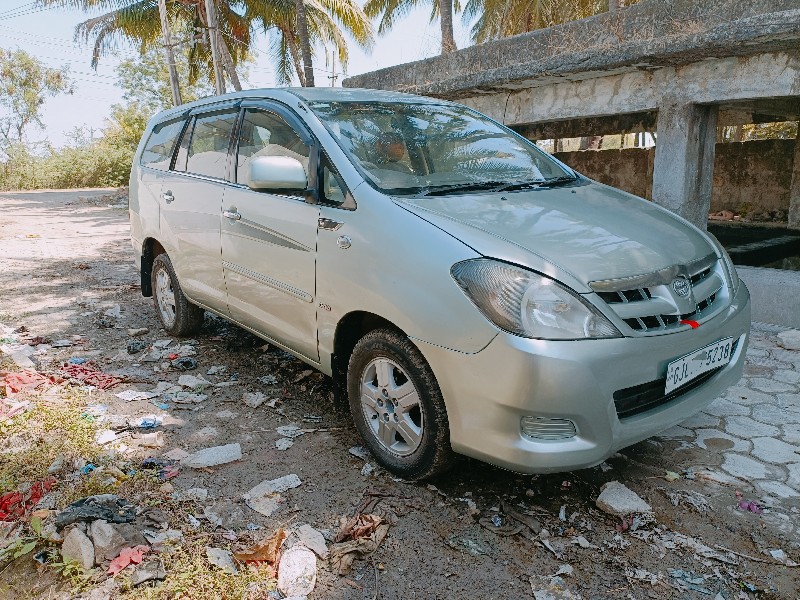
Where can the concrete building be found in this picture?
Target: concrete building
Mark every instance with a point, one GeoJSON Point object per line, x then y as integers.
{"type": "Point", "coordinates": [680, 68]}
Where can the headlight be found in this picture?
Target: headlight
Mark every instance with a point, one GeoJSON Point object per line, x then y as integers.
{"type": "Point", "coordinates": [529, 304]}
{"type": "Point", "coordinates": [730, 268]}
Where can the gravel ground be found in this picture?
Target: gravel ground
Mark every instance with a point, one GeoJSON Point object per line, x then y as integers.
{"type": "Point", "coordinates": [65, 260]}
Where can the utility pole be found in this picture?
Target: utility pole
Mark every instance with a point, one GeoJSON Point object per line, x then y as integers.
{"type": "Point", "coordinates": [213, 34]}
{"type": "Point", "coordinates": [333, 76]}
{"type": "Point", "coordinates": [173, 72]}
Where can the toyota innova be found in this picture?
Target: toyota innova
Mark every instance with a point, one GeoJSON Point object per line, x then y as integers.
{"type": "Point", "coordinates": [468, 293]}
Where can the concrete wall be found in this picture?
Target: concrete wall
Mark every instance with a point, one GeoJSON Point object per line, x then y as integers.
{"type": "Point", "coordinates": [753, 175]}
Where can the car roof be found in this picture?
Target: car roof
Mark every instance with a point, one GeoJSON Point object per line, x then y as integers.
{"type": "Point", "coordinates": [287, 95]}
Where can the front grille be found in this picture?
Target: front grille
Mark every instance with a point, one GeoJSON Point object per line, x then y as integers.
{"type": "Point", "coordinates": [652, 306]}
{"type": "Point", "coordinates": [647, 396]}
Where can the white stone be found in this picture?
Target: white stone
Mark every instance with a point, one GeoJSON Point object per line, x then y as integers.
{"type": "Point", "coordinates": [791, 434]}
{"type": "Point", "coordinates": [787, 376]}
{"type": "Point", "coordinates": [777, 489]}
{"type": "Point", "coordinates": [297, 573]}
{"type": "Point", "coordinates": [313, 539]}
{"type": "Point", "coordinates": [284, 443]}
{"type": "Point", "coordinates": [216, 455]}
{"type": "Point", "coordinates": [771, 386]}
{"type": "Point", "coordinates": [747, 427]}
{"type": "Point", "coordinates": [725, 408]}
{"type": "Point", "coordinates": [714, 439]}
{"type": "Point", "coordinates": [701, 420]}
{"type": "Point", "coordinates": [789, 339]}
{"type": "Point", "coordinates": [774, 451]}
{"type": "Point", "coordinates": [77, 547]}
{"type": "Point", "coordinates": [616, 499]}
{"type": "Point", "coordinates": [107, 541]}
{"type": "Point", "coordinates": [794, 475]}
{"type": "Point", "coordinates": [775, 415]}
{"type": "Point", "coordinates": [138, 331]}
{"type": "Point", "coordinates": [746, 468]}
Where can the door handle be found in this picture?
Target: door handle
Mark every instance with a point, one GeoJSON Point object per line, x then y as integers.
{"type": "Point", "coordinates": [328, 224]}
{"type": "Point", "coordinates": [231, 214]}
{"type": "Point", "coordinates": [168, 197]}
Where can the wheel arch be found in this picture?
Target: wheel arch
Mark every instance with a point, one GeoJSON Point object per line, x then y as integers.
{"type": "Point", "coordinates": [151, 248]}
{"type": "Point", "coordinates": [351, 328]}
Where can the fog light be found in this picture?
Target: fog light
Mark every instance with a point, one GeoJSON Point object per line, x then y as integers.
{"type": "Point", "coordinates": [548, 429]}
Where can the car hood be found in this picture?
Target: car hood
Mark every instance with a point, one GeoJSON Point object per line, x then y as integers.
{"type": "Point", "coordinates": [591, 231]}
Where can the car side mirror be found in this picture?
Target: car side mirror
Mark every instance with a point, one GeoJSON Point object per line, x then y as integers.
{"type": "Point", "coordinates": [276, 173]}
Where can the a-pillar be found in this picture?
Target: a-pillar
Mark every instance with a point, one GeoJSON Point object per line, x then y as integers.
{"type": "Point", "coordinates": [794, 191]}
{"type": "Point", "coordinates": [683, 169]}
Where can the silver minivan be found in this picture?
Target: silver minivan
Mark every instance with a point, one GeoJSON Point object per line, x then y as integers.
{"type": "Point", "coordinates": [468, 293]}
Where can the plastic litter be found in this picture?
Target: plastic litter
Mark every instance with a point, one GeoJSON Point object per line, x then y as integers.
{"type": "Point", "coordinates": [108, 507]}
{"type": "Point", "coordinates": [254, 400]}
{"type": "Point", "coordinates": [128, 556]}
{"type": "Point", "coordinates": [136, 346]}
{"type": "Point", "coordinates": [265, 497]}
{"type": "Point", "coordinates": [90, 375]}
{"type": "Point", "coordinates": [77, 360]}
{"type": "Point", "coordinates": [131, 395]}
{"type": "Point", "coordinates": [167, 469]}
{"type": "Point", "coordinates": [211, 457]}
{"type": "Point", "coordinates": [14, 505]}
{"type": "Point", "coordinates": [266, 550]}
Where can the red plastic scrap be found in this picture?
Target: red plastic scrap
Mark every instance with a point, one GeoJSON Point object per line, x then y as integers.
{"type": "Point", "coordinates": [89, 374]}
{"type": "Point", "coordinates": [127, 557]}
{"type": "Point", "coordinates": [14, 505]}
{"type": "Point", "coordinates": [24, 380]}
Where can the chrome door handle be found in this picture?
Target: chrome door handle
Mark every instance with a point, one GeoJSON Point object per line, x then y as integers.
{"type": "Point", "coordinates": [168, 197]}
{"type": "Point", "coordinates": [328, 224]}
{"type": "Point", "coordinates": [231, 214]}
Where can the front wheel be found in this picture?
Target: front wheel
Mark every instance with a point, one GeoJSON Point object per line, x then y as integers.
{"type": "Point", "coordinates": [178, 316]}
{"type": "Point", "coordinates": [397, 406]}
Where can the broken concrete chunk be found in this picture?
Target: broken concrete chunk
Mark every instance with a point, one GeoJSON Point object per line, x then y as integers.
{"type": "Point", "coordinates": [107, 541]}
{"type": "Point", "coordinates": [78, 548]}
{"type": "Point", "coordinates": [297, 573]}
{"type": "Point", "coordinates": [313, 539]}
{"type": "Point", "coordinates": [284, 443]}
{"type": "Point", "coordinates": [216, 455]}
{"type": "Point", "coordinates": [616, 499]}
{"type": "Point", "coordinates": [265, 497]}
{"type": "Point", "coordinates": [152, 570]}
{"type": "Point", "coordinates": [289, 431]}
{"type": "Point", "coordinates": [138, 331]}
{"type": "Point", "coordinates": [255, 399]}
{"type": "Point", "coordinates": [222, 559]}
{"type": "Point", "coordinates": [190, 381]}
{"type": "Point", "coordinates": [789, 339]}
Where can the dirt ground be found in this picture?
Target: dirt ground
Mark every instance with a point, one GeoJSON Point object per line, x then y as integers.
{"type": "Point", "coordinates": [65, 260]}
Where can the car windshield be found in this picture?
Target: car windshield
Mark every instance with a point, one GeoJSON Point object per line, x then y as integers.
{"type": "Point", "coordinates": [427, 149]}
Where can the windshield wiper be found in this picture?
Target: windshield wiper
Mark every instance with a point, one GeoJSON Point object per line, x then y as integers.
{"type": "Point", "coordinates": [461, 187]}
{"type": "Point", "coordinates": [537, 183]}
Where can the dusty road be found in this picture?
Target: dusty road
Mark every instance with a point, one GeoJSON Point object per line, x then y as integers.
{"type": "Point", "coordinates": [66, 260]}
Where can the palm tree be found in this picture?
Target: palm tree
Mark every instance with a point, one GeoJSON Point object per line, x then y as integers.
{"type": "Point", "coordinates": [503, 18]}
{"type": "Point", "coordinates": [389, 10]}
{"type": "Point", "coordinates": [138, 21]}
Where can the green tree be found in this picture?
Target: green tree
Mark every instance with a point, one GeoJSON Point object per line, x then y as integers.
{"type": "Point", "coordinates": [391, 10]}
{"type": "Point", "coordinates": [25, 85]}
{"type": "Point", "coordinates": [138, 21]}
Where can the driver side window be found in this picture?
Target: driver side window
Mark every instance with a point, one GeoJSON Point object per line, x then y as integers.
{"type": "Point", "coordinates": [266, 134]}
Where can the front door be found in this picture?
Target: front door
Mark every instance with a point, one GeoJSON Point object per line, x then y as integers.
{"type": "Point", "coordinates": [191, 204]}
{"type": "Point", "coordinates": [269, 240]}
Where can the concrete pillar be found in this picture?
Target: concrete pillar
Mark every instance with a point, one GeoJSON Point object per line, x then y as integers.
{"type": "Point", "coordinates": [794, 191]}
{"type": "Point", "coordinates": [683, 170]}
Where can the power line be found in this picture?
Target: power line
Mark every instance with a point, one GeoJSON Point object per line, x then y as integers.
{"type": "Point", "coordinates": [12, 10]}
{"type": "Point", "coordinates": [27, 12]}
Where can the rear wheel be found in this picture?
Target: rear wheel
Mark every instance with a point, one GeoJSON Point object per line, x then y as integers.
{"type": "Point", "coordinates": [397, 406]}
{"type": "Point", "coordinates": [178, 316]}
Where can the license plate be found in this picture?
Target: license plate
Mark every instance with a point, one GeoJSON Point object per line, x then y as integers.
{"type": "Point", "coordinates": [694, 364]}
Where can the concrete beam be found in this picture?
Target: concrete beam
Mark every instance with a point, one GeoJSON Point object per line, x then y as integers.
{"type": "Point", "coordinates": [684, 163]}
{"type": "Point", "coordinates": [794, 190]}
{"type": "Point", "coordinates": [609, 125]}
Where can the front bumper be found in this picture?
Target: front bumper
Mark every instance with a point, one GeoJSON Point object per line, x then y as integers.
{"type": "Point", "coordinates": [488, 393]}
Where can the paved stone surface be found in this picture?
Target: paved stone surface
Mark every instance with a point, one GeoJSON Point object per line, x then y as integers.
{"type": "Point", "coordinates": [753, 431]}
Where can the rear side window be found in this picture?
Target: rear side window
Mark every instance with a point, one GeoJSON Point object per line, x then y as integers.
{"type": "Point", "coordinates": [208, 149]}
{"type": "Point", "coordinates": [157, 152]}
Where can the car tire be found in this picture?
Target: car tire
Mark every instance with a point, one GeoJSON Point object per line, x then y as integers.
{"type": "Point", "coordinates": [397, 406]}
{"type": "Point", "coordinates": [178, 316]}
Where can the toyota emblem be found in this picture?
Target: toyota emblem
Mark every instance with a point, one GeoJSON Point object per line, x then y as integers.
{"type": "Point", "coordinates": [681, 286]}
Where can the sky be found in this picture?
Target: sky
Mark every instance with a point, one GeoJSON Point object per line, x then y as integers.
{"type": "Point", "coordinates": [48, 34]}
